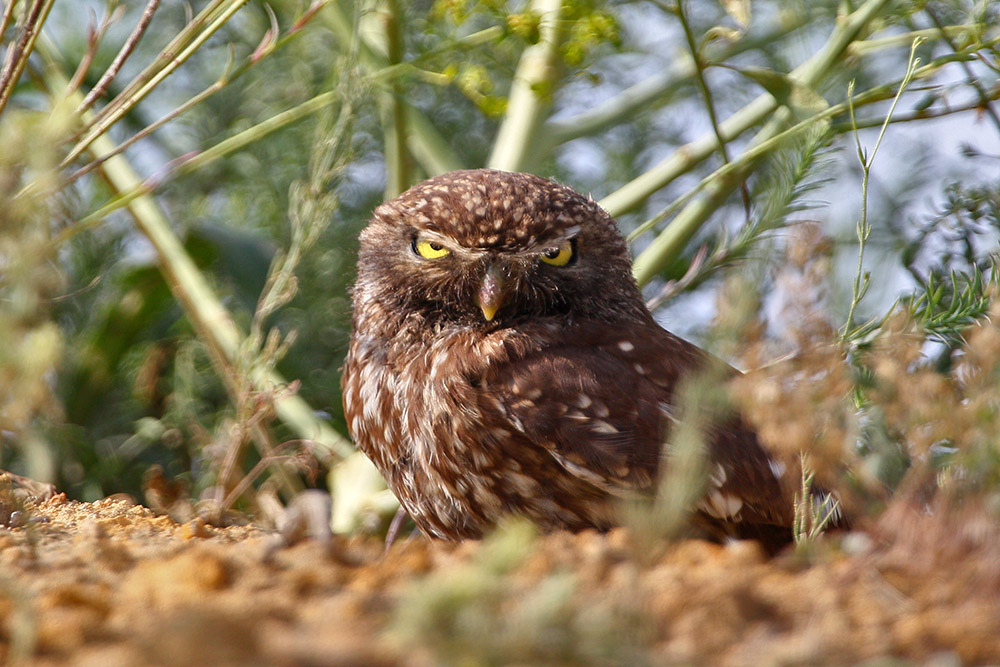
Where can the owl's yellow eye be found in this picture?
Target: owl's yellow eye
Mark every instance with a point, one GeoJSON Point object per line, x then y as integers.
{"type": "Point", "coordinates": [429, 249]}
{"type": "Point", "coordinates": [560, 255]}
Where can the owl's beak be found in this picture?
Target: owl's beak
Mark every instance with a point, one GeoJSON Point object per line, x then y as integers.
{"type": "Point", "coordinates": [491, 292]}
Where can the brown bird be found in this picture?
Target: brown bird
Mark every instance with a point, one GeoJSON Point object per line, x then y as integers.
{"type": "Point", "coordinates": [503, 362]}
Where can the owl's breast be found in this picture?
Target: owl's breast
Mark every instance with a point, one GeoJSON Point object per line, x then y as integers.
{"type": "Point", "coordinates": [412, 410]}
{"type": "Point", "coordinates": [369, 387]}
{"type": "Point", "coordinates": [429, 421]}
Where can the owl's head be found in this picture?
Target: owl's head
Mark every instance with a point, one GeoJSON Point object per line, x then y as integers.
{"type": "Point", "coordinates": [488, 248]}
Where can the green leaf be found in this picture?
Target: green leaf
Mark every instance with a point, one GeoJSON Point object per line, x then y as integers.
{"type": "Point", "coordinates": [789, 92]}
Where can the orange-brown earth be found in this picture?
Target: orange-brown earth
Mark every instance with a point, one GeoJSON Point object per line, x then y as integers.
{"type": "Point", "coordinates": [111, 583]}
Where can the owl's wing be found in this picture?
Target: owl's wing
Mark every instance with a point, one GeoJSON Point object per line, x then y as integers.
{"type": "Point", "coordinates": [601, 401]}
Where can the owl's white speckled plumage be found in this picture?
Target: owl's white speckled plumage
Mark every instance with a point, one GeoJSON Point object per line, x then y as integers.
{"type": "Point", "coordinates": [503, 362]}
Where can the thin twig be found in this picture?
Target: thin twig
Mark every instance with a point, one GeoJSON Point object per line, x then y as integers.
{"type": "Point", "coordinates": [19, 56]}
{"type": "Point", "coordinates": [699, 77]}
{"type": "Point", "coordinates": [133, 40]}
{"type": "Point", "coordinates": [924, 114]}
{"type": "Point", "coordinates": [249, 478]}
{"type": "Point", "coordinates": [971, 79]}
{"type": "Point", "coordinates": [8, 11]}
{"type": "Point", "coordinates": [128, 98]}
{"type": "Point", "coordinates": [862, 279]}
{"type": "Point", "coordinates": [672, 288]}
{"type": "Point", "coordinates": [706, 94]}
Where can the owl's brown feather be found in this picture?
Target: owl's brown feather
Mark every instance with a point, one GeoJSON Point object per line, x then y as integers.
{"type": "Point", "coordinates": [553, 400]}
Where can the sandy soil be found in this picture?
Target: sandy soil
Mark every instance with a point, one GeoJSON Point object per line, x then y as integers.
{"type": "Point", "coordinates": [111, 583]}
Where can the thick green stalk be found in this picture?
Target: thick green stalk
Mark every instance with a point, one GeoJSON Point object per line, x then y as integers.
{"type": "Point", "coordinates": [392, 100]}
{"type": "Point", "coordinates": [516, 145]}
{"type": "Point", "coordinates": [424, 140]}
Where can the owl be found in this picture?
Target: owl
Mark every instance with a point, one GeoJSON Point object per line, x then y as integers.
{"type": "Point", "coordinates": [503, 362]}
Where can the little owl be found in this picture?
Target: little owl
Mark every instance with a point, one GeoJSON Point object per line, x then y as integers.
{"type": "Point", "coordinates": [503, 362]}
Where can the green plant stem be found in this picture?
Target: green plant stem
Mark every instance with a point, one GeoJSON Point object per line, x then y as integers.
{"type": "Point", "coordinates": [864, 227]}
{"type": "Point", "coordinates": [221, 83]}
{"type": "Point", "coordinates": [515, 146]}
{"type": "Point", "coordinates": [682, 160]}
{"type": "Point", "coordinates": [164, 58]}
{"type": "Point", "coordinates": [970, 76]}
{"type": "Point", "coordinates": [975, 105]}
{"type": "Point", "coordinates": [656, 88]}
{"type": "Point", "coordinates": [224, 80]}
{"type": "Point", "coordinates": [189, 164]}
{"type": "Point", "coordinates": [431, 150]}
{"type": "Point", "coordinates": [127, 48]}
{"type": "Point", "coordinates": [394, 122]}
{"type": "Point", "coordinates": [809, 73]}
{"type": "Point", "coordinates": [868, 97]}
{"type": "Point", "coordinates": [672, 240]}
{"type": "Point", "coordinates": [158, 76]}
{"type": "Point", "coordinates": [209, 317]}
{"type": "Point", "coordinates": [699, 77]}
{"type": "Point", "coordinates": [660, 86]}
{"type": "Point", "coordinates": [8, 12]}
{"type": "Point", "coordinates": [865, 46]}
{"type": "Point", "coordinates": [425, 142]}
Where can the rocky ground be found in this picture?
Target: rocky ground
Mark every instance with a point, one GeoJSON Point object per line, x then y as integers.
{"type": "Point", "coordinates": [111, 583]}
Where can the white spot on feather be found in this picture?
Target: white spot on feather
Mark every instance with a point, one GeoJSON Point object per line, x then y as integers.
{"type": "Point", "coordinates": [601, 426]}
{"type": "Point", "coordinates": [721, 506]}
{"type": "Point", "coordinates": [718, 475]}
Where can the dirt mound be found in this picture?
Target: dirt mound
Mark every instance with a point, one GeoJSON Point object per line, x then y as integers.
{"type": "Point", "coordinates": [111, 583]}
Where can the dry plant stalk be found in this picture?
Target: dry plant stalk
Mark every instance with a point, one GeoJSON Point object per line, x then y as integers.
{"type": "Point", "coordinates": [800, 402]}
